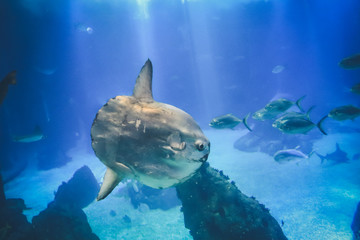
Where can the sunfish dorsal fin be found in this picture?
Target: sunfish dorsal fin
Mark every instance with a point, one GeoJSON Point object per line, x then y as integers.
{"type": "Point", "coordinates": [143, 86]}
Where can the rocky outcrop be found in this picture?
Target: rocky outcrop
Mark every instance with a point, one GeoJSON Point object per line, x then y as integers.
{"type": "Point", "coordinates": [214, 209]}
{"type": "Point", "coordinates": [64, 217]}
{"type": "Point", "coordinates": [154, 198]}
{"type": "Point", "coordinates": [13, 223]}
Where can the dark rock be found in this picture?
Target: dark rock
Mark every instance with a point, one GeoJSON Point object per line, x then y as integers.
{"type": "Point", "coordinates": [13, 224]}
{"type": "Point", "coordinates": [17, 204]}
{"type": "Point", "coordinates": [355, 225]}
{"type": "Point", "coordinates": [79, 191]}
{"type": "Point", "coordinates": [267, 139]}
{"type": "Point", "coordinates": [215, 209]}
{"type": "Point", "coordinates": [2, 193]}
{"type": "Point", "coordinates": [155, 198]}
{"type": "Point", "coordinates": [59, 222]}
{"type": "Point", "coordinates": [64, 217]}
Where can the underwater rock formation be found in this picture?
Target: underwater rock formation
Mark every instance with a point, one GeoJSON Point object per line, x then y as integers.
{"type": "Point", "coordinates": [215, 209]}
{"type": "Point", "coordinates": [64, 217]}
{"type": "Point", "coordinates": [13, 224]}
{"type": "Point", "coordinates": [79, 191]}
{"type": "Point", "coordinates": [60, 222]}
{"type": "Point", "coordinates": [264, 138]}
{"type": "Point", "coordinates": [154, 198]}
{"type": "Point", "coordinates": [355, 225]}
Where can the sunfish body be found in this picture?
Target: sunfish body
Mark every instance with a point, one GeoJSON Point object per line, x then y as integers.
{"type": "Point", "coordinates": [9, 79]}
{"type": "Point", "coordinates": [35, 136]}
{"type": "Point", "coordinates": [289, 155]}
{"type": "Point", "coordinates": [152, 142]}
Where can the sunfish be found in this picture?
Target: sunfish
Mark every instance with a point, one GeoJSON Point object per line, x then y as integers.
{"type": "Point", "coordinates": [155, 143]}
{"type": "Point", "coordinates": [35, 136]}
{"type": "Point", "coordinates": [10, 78]}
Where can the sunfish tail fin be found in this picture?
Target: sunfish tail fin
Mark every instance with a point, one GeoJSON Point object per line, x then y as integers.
{"type": "Point", "coordinates": [111, 180]}
{"type": "Point", "coordinates": [319, 125]}
{"type": "Point", "coordinates": [245, 122]}
{"type": "Point", "coordinates": [143, 85]}
{"type": "Point", "coordinates": [298, 103]}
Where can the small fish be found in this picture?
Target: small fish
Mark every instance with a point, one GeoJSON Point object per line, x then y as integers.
{"type": "Point", "coordinates": [350, 62]}
{"type": "Point", "coordinates": [344, 113]}
{"type": "Point", "coordinates": [264, 114]}
{"type": "Point", "coordinates": [282, 104]}
{"type": "Point", "coordinates": [289, 155]}
{"type": "Point", "coordinates": [35, 136]}
{"type": "Point", "coordinates": [297, 125]}
{"type": "Point", "coordinates": [228, 121]}
{"type": "Point", "coordinates": [336, 157]}
{"type": "Point", "coordinates": [10, 78]}
{"type": "Point", "coordinates": [290, 115]}
{"type": "Point", "coordinates": [276, 107]}
{"type": "Point", "coordinates": [355, 89]}
{"type": "Point", "coordinates": [278, 69]}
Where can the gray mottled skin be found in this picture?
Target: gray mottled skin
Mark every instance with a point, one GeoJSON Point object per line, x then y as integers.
{"type": "Point", "coordinates": [152, 142]}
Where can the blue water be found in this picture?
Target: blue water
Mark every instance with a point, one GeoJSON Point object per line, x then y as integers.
{"type": "Point", "coordinates": [210, 58]}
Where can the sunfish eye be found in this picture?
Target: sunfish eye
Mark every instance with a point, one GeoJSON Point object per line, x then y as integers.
{"type": "Point", "coordinates": [199, 145]}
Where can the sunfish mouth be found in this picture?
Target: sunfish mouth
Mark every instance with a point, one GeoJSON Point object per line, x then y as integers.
{"type": "Point", "coordinates": [204, 158]}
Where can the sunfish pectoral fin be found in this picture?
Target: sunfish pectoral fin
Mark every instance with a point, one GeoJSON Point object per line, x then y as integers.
{"type": "Point", "coordinates": [111, 180]}
{"type": "Point", "coordinates": [143, 85]}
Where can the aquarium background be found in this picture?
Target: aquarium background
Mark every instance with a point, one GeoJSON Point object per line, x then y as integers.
{"type": "Point", "coordinates": [210, 58]}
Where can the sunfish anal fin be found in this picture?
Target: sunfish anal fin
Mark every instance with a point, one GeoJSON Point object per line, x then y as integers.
{"type": "Point", "coordinates": [143, 86]}
{"type": "Point", "coordinates": [111, 180]}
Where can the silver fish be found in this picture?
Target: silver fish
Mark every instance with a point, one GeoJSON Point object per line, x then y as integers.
{"type": "Point", "coordinates": [297, 125]}
{"type": "Point", "coordinates": [350, 62]}
{"type": "Point", "coordinates": [288, 155]}
{"type": "Point", "coordinates": [35, 136]}
{"type": "Point", "coordinates": [155, 143]}
{"type": "Point", "coordinates": [275, 108]}
{"type": "Point", "coordinates": [228, 121]}
{"type": "Point", "coordinates": [344, 113]}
